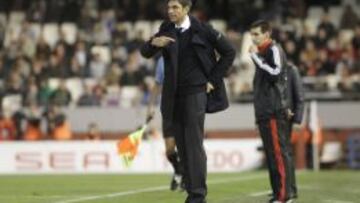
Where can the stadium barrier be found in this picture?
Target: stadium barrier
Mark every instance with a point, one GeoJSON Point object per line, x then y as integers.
{"type": "Point", "coordinates": [102, 157]}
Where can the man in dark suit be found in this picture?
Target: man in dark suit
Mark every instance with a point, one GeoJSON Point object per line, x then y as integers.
{"type": "Point", "coordinates": [192, 73]}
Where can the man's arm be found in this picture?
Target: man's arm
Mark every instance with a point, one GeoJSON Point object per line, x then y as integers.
{"type": "Point", "coordinates": [298, 93]}
{"type": "Point", "coordinates": [226, 52]}
{"type": "Point", "coordinates": [156, 43]}
{"type": "Point", "coordinates": [273, 67]}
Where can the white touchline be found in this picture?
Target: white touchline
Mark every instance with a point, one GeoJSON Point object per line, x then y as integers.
{"type": "Point", "coordinates": [265, 192]}
{"type": "Point", "coordinates": [336, 201]}
{"type": "Point", "coordinates": [154, 189]}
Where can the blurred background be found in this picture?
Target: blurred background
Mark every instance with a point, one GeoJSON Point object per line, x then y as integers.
{"type": "Point", "coordinates": [70, 71]}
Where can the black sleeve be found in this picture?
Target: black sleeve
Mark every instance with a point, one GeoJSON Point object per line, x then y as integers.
{"type": "Point", "coordinates": [273, 67]}
{"type": "Point", "coordinates": [298, 92]}
{"type": "Point", "coordinates": [147, 50]}
{"type": "Point", "coordinates": [225, 50]}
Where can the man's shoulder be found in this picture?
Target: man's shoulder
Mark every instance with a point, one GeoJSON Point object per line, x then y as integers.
{"type": "Point", "coordinates": [205, 28]}
{"type": "Point", "coordinates": [166, 25]}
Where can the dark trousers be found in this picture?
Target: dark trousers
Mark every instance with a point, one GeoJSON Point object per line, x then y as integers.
{"type": "Point", "coordinates": [274, 134]}
{"type": "Point", "coordinates": [293, 187]}
{"type": "Point", "coordinates": [189, 117]}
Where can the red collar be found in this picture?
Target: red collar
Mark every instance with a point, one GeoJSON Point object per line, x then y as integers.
{"type": "Point", "coordinates": [264, 45]}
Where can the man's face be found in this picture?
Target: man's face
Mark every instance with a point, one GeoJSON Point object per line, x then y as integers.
{"type": "Point", "coordinates": [176, 11]}
{"type": "Point", "coordinates": [257, 36]}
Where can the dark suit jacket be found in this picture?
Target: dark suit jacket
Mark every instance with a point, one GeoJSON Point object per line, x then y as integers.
{"type": "Point", "coordinates": [205, 41]}
{"type": "Point", "coordinates": [296, 93]}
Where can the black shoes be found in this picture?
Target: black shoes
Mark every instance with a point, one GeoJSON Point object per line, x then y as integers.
{"type": "Point", "coordinates": [176, 182]}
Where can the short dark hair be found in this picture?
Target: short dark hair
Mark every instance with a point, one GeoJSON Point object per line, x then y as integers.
{"type": "Point", "coordinates": [184, 3]}
{"type": "Point", "coordinates": [263, 24]}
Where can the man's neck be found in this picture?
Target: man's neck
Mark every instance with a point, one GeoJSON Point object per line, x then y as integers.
{"type": "Point", "coordinates": [180, 22]}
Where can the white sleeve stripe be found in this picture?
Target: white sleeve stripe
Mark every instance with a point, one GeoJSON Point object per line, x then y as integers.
{"type": "Point", "coordinates": [266, 67]}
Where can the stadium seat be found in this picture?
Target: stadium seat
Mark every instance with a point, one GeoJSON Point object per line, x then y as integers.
{"type": "Point", "coordinates": [143, 28]}
{"type": "Point", "coordinates": [12, 103]}
{"type": "Point", "coordinates": [315, 12]}
{"type": "Point", "coordinates": [36, 29]}
{"type": "Point", "coordinates": [16, 17]}
{"type": "Point", "coordinates": [3, 19]}
{"type": "Point", "coordinates": [70, 31]}
{"type": "Point", "coordinates": [348, 2]}
{"type": "Point", "coordinates": [346, 36]}
{"type": "Point", "coordinates": [155, 26]}
{"type": "Point", "coordinates": [129, 96]}
{"type": "Point", "coordinates": [54, 83]}
{"type": "Point", "coordinates": [12, 33]}
{"type": "Point", "coordinates": [335, 13]}
{"type": "Point", "coordinates": [127, 27]}
{"type": "Point", "coordinates": [112, 98]}
{"type": "Point", "coordinates": [75, 86]}
{"type": "Point", "coordinates": [219, 25]}
{"type": "Point", "coordinates": [103, 51]}
{"type": "Point", "coordinates": [51, 33]}
{"type": "Point", "coordinates": [91, 82]}
{"type": "Point", "coordinates": [312, 24]}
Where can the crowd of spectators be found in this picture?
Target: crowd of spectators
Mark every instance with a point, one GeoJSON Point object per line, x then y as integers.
{"type": "Point", "coordinates": [36, 72]}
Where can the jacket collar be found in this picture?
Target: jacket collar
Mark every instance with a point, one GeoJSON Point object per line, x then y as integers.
{"type": "Point", "coordinates": [262, 47]}
{"type": "Point", "coordinates": [185, 25]}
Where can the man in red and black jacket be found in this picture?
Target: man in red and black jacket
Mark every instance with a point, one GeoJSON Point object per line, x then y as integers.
{"type": "Point", "coordinates": [271, 108]}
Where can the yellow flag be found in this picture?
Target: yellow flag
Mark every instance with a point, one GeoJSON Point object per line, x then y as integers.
{"type": "Point", "coordinates": [128, 147]}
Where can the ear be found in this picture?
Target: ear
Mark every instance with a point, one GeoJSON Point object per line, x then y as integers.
{"type": "Point", "coordinates": [187, 9]}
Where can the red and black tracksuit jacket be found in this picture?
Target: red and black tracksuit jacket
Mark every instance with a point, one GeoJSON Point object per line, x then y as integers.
{"type": "Point", "coordinates": [271, 104]}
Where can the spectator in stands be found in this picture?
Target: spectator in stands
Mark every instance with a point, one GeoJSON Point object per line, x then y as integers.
{"type": "Point", "coordinates": [58, 126]}
{"type": "Point", "coordinates": [93, 132]}
{"type": "Point", "coordinates": [61, 96]}
{"type": "Point", "coordinates": [31, 96]}
{"type": "Point", "coordinates": [100, 91]}
{"type": "Point", "coordinates": [349, 18]}
{"type": "Point", "coordinates": [15, 83]}
{"type": "Point", "coordinates": [326, 66]}
{"type": "Point", "coordinates": [55, 69]}
{"type": "Point", "coordinates": [43, 49]}
{"type": "Point", "coordinates": [23, 67]}
{"type": "Point", "coordinates": [36, 12]}
{"type": "Point", "coordinates": [291, 51]}
{"type": "Point", "coordinates": [356, 41]}
{"type": "Point", "coordinates": [7, 126]}
{"type": "Point", "coordinates": [45, 92]}
{"type": "Point", "coordinates": [113, 74]}
{"type": "Point", "coordinates": [3, 71]}
{"type": "Point", "coordinates": [97, 67]}
{"type": "Point", "coordinates": [75, 69]}
{"type": "Point", "coordinates": [327, 25]}
{"type": "Point", "coordinates": [321, 38]}
{"type": "Point", "coordinates": [132, 75]}
{"type": "Point", "coordinates": [33, 123]}
{"type": "Point", "coordinates": [81, 54]}
{"type": "Point", "coordinates": [88, 98]}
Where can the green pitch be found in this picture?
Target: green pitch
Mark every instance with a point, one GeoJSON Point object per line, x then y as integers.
{"type": "Point", "coordinates": [249, 187]}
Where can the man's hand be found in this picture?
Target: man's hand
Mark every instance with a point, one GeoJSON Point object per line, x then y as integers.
{"type": "Point", "coordinates": [253, 49]}
{"type": "Point", "coordinates": [161, 41]}
{"type": "Point", "coordinates": [290, 114]}
{"type": "Point", "coordinates": [209, 87]}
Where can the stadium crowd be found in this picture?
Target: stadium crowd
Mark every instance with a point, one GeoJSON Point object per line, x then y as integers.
{"type": "Point", "coordinates": [98, 64]}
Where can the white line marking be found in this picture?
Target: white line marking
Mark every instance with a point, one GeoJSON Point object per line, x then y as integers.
{"type": "Point", "coordinates": [154, 189]}
{"type": "Point", "coordinates": [336, 201]}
